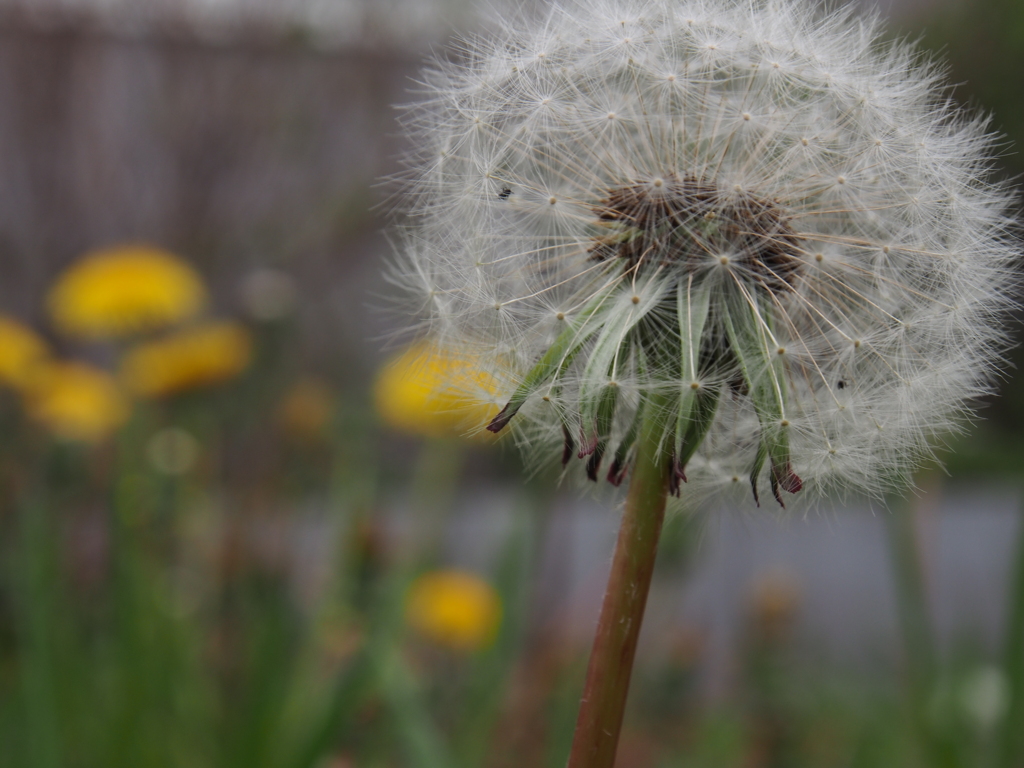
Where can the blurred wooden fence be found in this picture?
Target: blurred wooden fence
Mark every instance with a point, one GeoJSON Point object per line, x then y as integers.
{"type": "Point", "coordinates": [258, 151]}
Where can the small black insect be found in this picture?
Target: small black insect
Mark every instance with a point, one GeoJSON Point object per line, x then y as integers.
{"type": "Point", "coordinates": [503, 195]}
{"type": "Point", "coordinates": [841, 384]}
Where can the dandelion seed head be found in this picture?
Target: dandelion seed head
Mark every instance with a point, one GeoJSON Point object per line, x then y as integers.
{"type": "Point", "coordinates": [752, 218]}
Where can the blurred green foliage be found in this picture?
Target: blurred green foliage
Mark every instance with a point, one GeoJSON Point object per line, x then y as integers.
{"type": "Point", "coordinates": [220, 585]}
{"type": "Point", "coordinates": [154, 620]}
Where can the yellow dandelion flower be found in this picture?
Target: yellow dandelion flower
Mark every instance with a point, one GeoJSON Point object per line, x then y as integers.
{"type": "Point", "coordinates": [455, 609]}
{"type": "Point", "coordinates": [21, 352]}
{"type": "Point", "coordinates": [306, 409]}
{"type": "Point", "coordinates": [431, 393]}
{"type": "Point", "coordinates": [125, 290]}
{"type": "Point", "coordinates": [194, 358]}
{"type": "Point", "coordinates": [76, 401]}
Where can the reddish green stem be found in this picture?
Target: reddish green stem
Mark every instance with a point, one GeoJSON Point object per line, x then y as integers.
{"type": "Point", "coordinates": [611, 660]}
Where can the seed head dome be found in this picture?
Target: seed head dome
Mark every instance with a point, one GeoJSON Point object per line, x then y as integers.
{"type": "Point", "coordinates": [748, 216]}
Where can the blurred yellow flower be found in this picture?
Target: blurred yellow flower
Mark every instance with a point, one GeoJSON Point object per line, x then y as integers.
{"type": "Point", "coordinates": [430, 393]}
{"type": "Point", "coordinates": [194, 358]}
{"type": "Point", "coordinates": [21, 352]}
{"type": "Point", "coordinates": [124, 290]}
{"type": "Point", "coordinates": [455, 609]}
{"type": "Point", "coordinates": [306, 409]}
{"type": "Point", "coordinates": [76, 401]}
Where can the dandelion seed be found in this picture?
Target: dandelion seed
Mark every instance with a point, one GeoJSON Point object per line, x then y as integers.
{"type": "Point", "coordinates": [774, 260]}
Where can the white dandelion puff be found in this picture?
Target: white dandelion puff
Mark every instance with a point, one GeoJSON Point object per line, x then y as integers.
{"type": "Point", "coordinates": [751, 218]}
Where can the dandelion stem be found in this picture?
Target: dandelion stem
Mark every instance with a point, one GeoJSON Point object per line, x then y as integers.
{"type": "Point", "coordinates": [611, 660]}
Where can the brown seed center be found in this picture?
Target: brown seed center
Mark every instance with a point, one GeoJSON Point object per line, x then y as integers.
{"type": "Point", "coordinates": [691, 223]}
